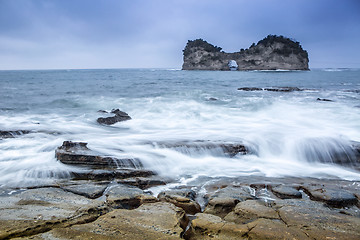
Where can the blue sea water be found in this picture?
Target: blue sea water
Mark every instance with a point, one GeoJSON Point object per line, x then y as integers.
{"type": "Point", "coordinates": [291, 133]}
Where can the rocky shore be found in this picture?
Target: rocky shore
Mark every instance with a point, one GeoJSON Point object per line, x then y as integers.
{"type": "Point", "coordinates": [116, 199]}
{"type": "Point", "coordinates": [109, 197]}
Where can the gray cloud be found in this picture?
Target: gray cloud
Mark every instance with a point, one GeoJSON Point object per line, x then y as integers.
{"type": "Point", "coordinates": [152, 33]}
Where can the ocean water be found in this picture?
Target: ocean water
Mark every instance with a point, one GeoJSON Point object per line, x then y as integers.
{"type": "Point", "coordinates": [289, 133]}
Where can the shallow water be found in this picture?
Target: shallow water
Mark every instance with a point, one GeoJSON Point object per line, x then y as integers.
{"type": "Point", "coordinates": [289, 133]}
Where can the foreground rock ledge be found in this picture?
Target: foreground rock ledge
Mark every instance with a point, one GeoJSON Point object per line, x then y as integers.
{"type": "Point", "coordinates": [150, 221]}
{"type": "Point", "coordinates": [235, 208]}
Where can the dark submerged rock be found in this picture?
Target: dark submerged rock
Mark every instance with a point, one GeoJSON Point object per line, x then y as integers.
{"type": "Point", "coordinates": [12, 134]}
{"type": "Point", "coordinates": [250, 89]}
{"type": "Point", "coordinates": [188, 147]}
{"type": "Point", "coordinates": [118, 117]}
{"type": "Point", "coordinates": [324, 100]}
{"type": "Point", "coordinates": [272, 89]}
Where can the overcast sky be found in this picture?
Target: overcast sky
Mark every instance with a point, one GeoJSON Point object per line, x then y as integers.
{"type": "Point", "coordinates": [52, 34]}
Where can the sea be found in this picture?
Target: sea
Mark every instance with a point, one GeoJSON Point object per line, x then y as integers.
{"type": "Point", "coordinates": [297, 133]}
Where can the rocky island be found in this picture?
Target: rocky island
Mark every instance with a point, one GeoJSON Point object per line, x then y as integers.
{"type": "Point", "coordinates": [271, 53]}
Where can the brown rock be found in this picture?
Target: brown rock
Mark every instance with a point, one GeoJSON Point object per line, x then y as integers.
{"type": "Point", "coordinates": [150, 221]}
{"type": "Point", "coordinates": [250, 210]}
{"type": "Point", "coordinates": [181, 198]}
{"type": "Point", "coordinates": [207, 226]}
{"type": "Point", "coordinates": [263, 229]}
{"type": "Point", "coordinates": [38, 210]}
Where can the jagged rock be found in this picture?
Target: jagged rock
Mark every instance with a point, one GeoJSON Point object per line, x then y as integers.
{"type": "Point", "coordinates": [189, 147]}
{"type": "Point", "coordinates": [12, 134]}
{"type": "Point", "coordinates": [271, 53]}
{"type": "Point", "coordinates": [77, 153]}
{"type": "Point", "coordinates": [149, 221]}
{"type": "Point", "coordinates": [224, 200]}
{"type": "Point", "coordinates": [119, 116]}
{"type": "Point", "coordinates": [333, 197]}
{"type": "Point", "coordinates": [284, 192]}
{"type": "Point", "coordinates": [127, 197]}
{"type": "Point", "coordinates": [250, 210]}
{"type": "Point", "coordinates": [184, 199]}
{"type": "Point", "coordinates": [38, 210]}
{"type": "Point", "coordinates": [87, 189]}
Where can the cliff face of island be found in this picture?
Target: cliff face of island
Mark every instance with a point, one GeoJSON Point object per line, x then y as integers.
{"type": "Point", "coordinates": [271, 53]}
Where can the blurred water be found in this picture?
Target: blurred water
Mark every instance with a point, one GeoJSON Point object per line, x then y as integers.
{"type": "Point", "coordinates": [290, 133]}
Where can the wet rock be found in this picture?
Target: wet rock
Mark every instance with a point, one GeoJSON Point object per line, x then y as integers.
{"type": "Point", "coordinates": [38, 210]}
{"type": "Point", "coordinates": [283, 89]}
{"type": "Point", "coordinates": [130, 173]}
{"type": "Point", "coordinates": [250, 89]}
{"type": "Point", "coordinates": [324, 100]}
{"type": "Point", "coordinates": [77, 153]}
{"type": "Point", "coordinates": [332, 197]}
{"type": "Point", "coordinates": [142, 182]}
{"type": "Point", "coordinates": [150, 221]}
{"type": "Point", "coordinates": [207, 226]}
{"type": "Point", "coordinates": [184, 199]}
{"type": "Point", "coordinates": [191, 147]}
{"type": "Point", "coordinates": [285, 192]}
{"type": "Point", "coordinates": [272, 89]}
{"type": "Point", "coordinates": [212, 99]}
{"type": "Point", "coordinates": [118, 117]}
{"type": "Point", "coordinates": [106, 174]}
{"type": "Point", "coordinates": [317, 221]}
{"type": "Point", "coordinates": [250, 210]}
{"type": "Point", "coordinates": [224, 200]}
{"type": "Point", "coordinates": [87, 189]}
{"type": "Point", "coordinates": [127, 197]}
{"type": "Point", "coordinates": [12, 134]}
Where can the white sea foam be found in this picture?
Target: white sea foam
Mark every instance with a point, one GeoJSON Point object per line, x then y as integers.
{"type": "Point", "coordinates": [290, 134]}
